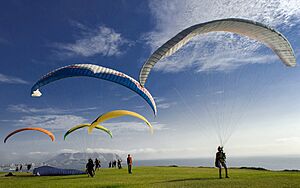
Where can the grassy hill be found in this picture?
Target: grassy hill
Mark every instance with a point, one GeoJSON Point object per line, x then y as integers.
{"type": "Point", "coordinates": [159, 177]}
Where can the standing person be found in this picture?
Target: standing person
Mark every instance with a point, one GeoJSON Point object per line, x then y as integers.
{"type": "Point", "coordinates": [90, 168]}
{"type": "Point", "coordinates": [21, 166]}
{"type": "Point", "coordinates": [29, 167]}
{"type": "Point", "coordinates": [97, 164]}
{"type": "Point", "coordinates": [109, 164]}
{"type": "Point", "coordinates": [129, 164]}
{"type": "Point", "coordinates": [221, 161]}
{"type": "Point", "coordinates": [114, 164]}
{"type": "Point", "coordinates": [119, 163]}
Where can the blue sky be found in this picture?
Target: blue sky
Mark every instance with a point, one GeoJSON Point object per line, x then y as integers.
{"type": "Point", "coordinates": [216, 83]}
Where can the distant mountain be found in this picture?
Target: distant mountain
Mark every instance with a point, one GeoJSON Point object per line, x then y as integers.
{"type": "Point", "coordinates": [79, 160]}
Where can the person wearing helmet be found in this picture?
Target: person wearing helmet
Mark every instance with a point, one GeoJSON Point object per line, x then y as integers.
{"type": "Point", "coordinates": [221, 161]}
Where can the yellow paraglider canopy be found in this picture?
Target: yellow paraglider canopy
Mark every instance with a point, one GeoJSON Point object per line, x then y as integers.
{"type": "Point", "coordinates": [115, 114]}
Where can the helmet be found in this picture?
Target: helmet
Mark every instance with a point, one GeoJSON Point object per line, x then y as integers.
{"type": "Point", "coordinates": [220, 148]}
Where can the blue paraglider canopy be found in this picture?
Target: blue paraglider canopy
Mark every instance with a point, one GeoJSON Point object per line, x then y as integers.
{"type": "Point", "coordinates": [51, 171]}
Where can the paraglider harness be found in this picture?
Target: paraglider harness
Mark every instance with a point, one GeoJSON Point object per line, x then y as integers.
{"type": "Point", "coordinates": [220, 158]}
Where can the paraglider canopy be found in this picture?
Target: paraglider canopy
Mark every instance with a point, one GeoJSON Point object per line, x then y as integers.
{"type": "Point", "coordinates": [254, 30]}
{"type": "Point", "coordinates": [87, 125]}
{"type": "Point", "coordinates": [95, 71]}
{"type": "Point", "coordinates": [50, 134]}
{"type": "Point", "coordinates": [118, 113]}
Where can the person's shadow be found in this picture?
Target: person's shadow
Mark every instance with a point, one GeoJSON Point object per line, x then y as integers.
{"type": "Point", "coordinates": [190, 179]}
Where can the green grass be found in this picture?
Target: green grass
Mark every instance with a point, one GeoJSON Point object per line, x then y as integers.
{"type": "Point", "coordinates": [159, 177]}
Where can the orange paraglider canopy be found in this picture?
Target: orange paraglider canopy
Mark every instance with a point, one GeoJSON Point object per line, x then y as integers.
{"type": "Point", "coordinates": [31, 129]}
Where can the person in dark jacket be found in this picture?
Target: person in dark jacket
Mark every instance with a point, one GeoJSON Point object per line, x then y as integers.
{"type": "Point", "coordinates": [97, 164]}
{"type": "Point", "coordinates": [90, 168]}
{"type": "Point", "coordinates": [221, 161]}
{"type": "Point", "coordinates": [114, 164]}
{"type": "Point", "coordinates": [129, 164]}
{"type": "Point", "coordinates": [119, 163]}
{"type": "Point", "coordinates": [29, 167]}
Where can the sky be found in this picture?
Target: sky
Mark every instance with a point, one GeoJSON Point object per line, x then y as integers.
{"type": "Point", "coordinates": [218, 86]}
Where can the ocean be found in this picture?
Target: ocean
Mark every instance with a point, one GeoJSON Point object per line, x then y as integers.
{"type": "Point", "coordinates": [271, 163]}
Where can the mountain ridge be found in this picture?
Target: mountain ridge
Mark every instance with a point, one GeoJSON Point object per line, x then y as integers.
{"type": "Point", "coordinates": [78, 160]}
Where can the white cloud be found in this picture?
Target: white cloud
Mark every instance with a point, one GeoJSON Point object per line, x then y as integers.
{"type": "Point", "coordinates": [129, 97]}
{"type": "Point", "coordinates": [159, 99]}
{"type": "Point", "coordinates": [166, 105]}
{"type": "Point", "coordinates": [65, 121]}
{"type": "Point", "coordinates": [11, 80]}
{"type": "Point", "coordinates": [219, 92]}
{"type": "Point", "coordinates": [26, 109]}
{"type": "Point", "coordinates": [51, 121]}
{"type": "Point", "coordinates": [120, 127]}
{"type": "Point", "coordinates": [162, 103]}
{"type": "Point", "coordinates": [38, 153]}
{"type": "Point", "coordinates": [220, 51]}
{"type": "Point", "coordinates": [22, 108]}
{"type": "Point", "coordinates": [101, 41]}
